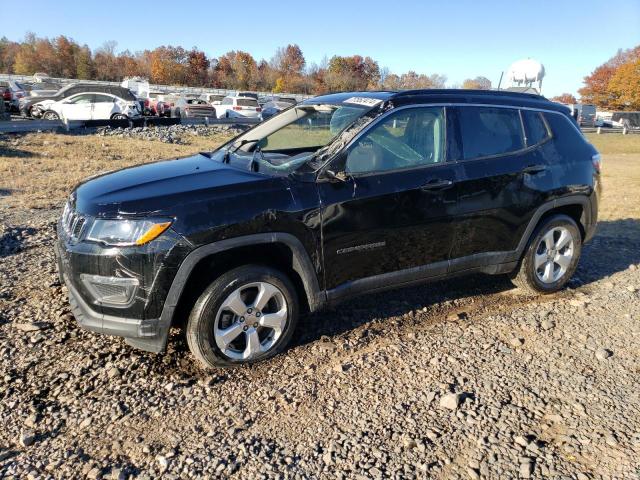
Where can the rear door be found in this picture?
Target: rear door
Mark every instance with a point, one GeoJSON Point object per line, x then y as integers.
{"type": "Point", "coordinates": [392, 215]}
{"type": "Point", "coordinates": [503, 179]}
{"type": "Point", "coordinates": [103, 106]}
{"type": "Point", "coordinates": [78, 107]}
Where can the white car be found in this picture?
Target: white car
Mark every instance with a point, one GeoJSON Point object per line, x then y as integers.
{"type": "Point", "coordinates": [90, 106]}
{"type": "Point", "coordinates": [238, 107]}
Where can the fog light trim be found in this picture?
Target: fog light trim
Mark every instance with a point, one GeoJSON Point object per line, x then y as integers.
{"type": "Point", "coordinates": [117, 292]}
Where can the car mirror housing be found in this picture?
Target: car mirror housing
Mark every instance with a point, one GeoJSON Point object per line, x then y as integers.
{"type": "Point", "coordinates": [340, 176]}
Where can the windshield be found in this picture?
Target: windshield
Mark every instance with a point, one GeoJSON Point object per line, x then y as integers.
{"type": "Point", "coordinates": [291, 138]}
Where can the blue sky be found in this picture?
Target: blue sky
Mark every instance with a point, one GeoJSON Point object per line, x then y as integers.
{"type": "Point", "coordinates": [459, 39]}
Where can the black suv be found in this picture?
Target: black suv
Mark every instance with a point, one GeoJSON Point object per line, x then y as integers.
{"type": "Point", "coordinates": [340, 195]}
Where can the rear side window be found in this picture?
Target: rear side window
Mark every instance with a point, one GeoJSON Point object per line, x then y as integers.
{"type": "Point", "coordinates": [488, 131]}
{"type": "Point", "coordinates": [535, 127]}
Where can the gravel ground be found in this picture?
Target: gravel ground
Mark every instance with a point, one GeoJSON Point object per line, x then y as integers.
{"type": "Point", "coordinates": [171, 134]}
{"type": "Point", "coordinates": [459, 379]}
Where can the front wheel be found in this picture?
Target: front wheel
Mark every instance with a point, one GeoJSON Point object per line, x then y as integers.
{"type": "Point", "coordinates": [551, 257]}
{"type": "Point", "coordinates": [119, 116]}
{"type": "Point", "coordinates": [50, 116]}
{"type": "Point", "coordinates": [246, 315]}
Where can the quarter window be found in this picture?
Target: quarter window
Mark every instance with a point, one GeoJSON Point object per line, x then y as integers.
{"type": "Point", "coordinates": [405, 139]}
{"type": "Point", "coordinates": [488, 131]}
{"type": "Point", "coordinates": [535, 127]}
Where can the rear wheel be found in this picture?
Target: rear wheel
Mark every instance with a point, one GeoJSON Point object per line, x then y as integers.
{"type": "Point", "coordinates": [552, 256]}
{"type": "Point", "coordinates": [246, 315]}
{"type": "Point", "coordinates": [120, 116]}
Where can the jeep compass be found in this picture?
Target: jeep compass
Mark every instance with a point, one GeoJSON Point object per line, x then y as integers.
{"type": "Point", "coordinates": [340, 195]}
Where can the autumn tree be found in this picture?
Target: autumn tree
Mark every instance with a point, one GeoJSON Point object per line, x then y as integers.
{"type": "Point", "coordinates": [624, 86]}
{"type": "Point", "coordinates": [478, 83]}
{"type": "Point", "coordinates": [197, 68]}
{"type": "Point", "coordinates": [237, 70]}
{"type": "Point", "coordinates": [565, 98]}
{"type": "Point", "coordinates": [288, 63]}
{"type": "Point", "coordinates": [352, 73]}
{"type": "Point", "coordinates": [596, 85]}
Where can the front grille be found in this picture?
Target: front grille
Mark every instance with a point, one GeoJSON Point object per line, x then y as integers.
{"type": "Point", "coordinates": [73, 223]}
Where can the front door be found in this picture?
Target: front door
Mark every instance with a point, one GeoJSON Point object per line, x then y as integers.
{"type": "Point", "coordinates": [392, 214]}
{"type": "Point", "coordinates": [78, 107]}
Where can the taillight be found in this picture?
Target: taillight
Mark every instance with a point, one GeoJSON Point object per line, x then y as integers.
{"type": "Point", "coordinates": [6, 95]}
{"type": "Point", "coordinates": [146, 102]}
{"type": "Point", "coordinates": [597, 161]}
{"type": "Point", "coordinates": [258, 109]}
{"type": "Point", "coordinates": [237, 108]}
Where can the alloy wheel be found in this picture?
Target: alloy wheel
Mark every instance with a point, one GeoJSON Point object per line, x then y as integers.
{"type": "Point", "coordinates": [554, 254]}
{"type": "Point", "coordinates": [250, 320]}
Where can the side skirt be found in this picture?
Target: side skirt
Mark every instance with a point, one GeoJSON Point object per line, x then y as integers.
{"type": "Point", "coordinates": [493, 263]}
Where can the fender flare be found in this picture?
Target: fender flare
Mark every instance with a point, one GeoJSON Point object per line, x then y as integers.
{"type": "Point", "coordinates": [301, 263]}
{"type": "Point", "coordinates": [579, 199]}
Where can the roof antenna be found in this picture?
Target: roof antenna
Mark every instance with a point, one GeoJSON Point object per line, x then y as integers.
{"type": "Point", "coordinates": [500, 81]}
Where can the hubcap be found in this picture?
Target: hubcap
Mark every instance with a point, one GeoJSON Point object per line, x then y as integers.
{"type": "Point", "coordinates": [554, 254]}
{"type": "Point", "coordinates": [250, 320]}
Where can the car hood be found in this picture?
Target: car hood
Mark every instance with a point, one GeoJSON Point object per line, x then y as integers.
{"type": "Point", "coordinates": [170, 188]}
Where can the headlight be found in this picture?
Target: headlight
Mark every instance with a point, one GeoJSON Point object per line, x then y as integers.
{"type": "Point", "coordinates": [122, 233]}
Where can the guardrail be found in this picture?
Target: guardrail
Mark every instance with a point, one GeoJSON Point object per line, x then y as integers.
{"type": "Point", "coordinates": [49, 125]}
{"type": "Point", "coordinates": [607, 130]}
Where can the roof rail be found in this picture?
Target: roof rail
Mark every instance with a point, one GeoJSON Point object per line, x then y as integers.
{"type": "Point", "coordinates": [466, 91]}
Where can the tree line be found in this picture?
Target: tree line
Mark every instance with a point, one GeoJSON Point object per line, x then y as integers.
{"type": "Point", "coordinates": [286, 71]}
{"type": "Point", "coordinates": [614, 85]}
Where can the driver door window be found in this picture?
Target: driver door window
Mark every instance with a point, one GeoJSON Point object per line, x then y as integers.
{"type": "Point", "coordinates": [409, 138]}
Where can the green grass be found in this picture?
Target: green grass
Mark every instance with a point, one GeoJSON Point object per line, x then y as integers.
{"type": "Point", "coordinates": [615, 143]}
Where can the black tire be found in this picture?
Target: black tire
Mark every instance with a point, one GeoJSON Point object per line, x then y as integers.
{"type": "Point", "coordinates": [50, 116]}
{"type": "Point", "coordinates": [202, 320]}
{"type": "Point", "coordinates": [119, 116]}
{"type": "Point", "coordinates": [526, 278]}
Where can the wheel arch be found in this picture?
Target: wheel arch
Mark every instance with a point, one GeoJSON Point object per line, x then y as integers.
{"type": "Point", "coordinates": [577, 207]}
{"type": "Point", "coordinates": [278, 250]}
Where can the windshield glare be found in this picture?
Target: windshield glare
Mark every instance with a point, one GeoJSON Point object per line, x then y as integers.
{"type": "Point", "coordinates": [287, 140]}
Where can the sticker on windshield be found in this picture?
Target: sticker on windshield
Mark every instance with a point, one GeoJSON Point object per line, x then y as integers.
{"type": "Point", "coordinates": [367, 102]}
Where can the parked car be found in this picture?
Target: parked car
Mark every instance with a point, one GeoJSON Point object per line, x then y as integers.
{"type": "Point", "coordinates": [4, 113]}
{"type": "Point", "coordinates": [238, 107]}
{"type": "Point", "coordinates": [28, 106]}
{"type": "Point", "coordinates": [584, 114]}
{"type": "Point", "coordinates": [16, 91]}
{"type": "Point", "coordinates": [192, 107]}
{"type": "Point", "coordinates": [394, 188]}
{"type": "Point", "coordinates": [247, 95]}
{"type": "Point", "coordinates": [5, 92]}
{"type": "Point", "coordinates": [90, 106]}
{"type": "Point", "coordinates": [42, 89]}
{"type": "Point", "coordinates": [212, 98]}
{"type": "Point", "coordinates": [269, 109]}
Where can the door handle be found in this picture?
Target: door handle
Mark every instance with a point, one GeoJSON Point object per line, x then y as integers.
{"type": "Point", "coordinates": [534, 169]}
{"type": "Point", "coordinates": [437, 184]}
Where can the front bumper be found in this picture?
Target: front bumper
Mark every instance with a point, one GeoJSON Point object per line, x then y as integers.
{"type": "Point", "coordinates": [141, 323]}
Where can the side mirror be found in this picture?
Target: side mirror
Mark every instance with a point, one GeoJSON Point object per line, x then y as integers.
{"type": "Point", "coordinates": [336, 176]}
